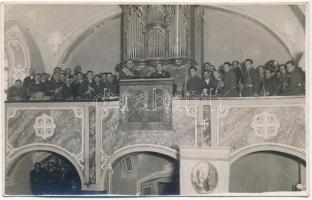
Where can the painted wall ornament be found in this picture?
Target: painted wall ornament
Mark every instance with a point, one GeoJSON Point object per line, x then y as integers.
{"type": "Point", "coordinates": [44, 126]}
{"type": "Point", "coordinates": [265, 125]}
{"type": "Point", "coordinates": [204, 177]}
{"type": "Point", "coordinates": [55, 40]}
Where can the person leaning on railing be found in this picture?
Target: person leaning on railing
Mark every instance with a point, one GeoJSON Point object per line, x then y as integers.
{"type": "Point", "coordinates": [195, 85]}
{"type": "Point", "coordinates": [17, 92]}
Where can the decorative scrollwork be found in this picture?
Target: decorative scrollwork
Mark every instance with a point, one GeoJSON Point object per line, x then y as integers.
{"type": "Point", "coordinates": [140, 12]}
{"type": "Point", "coordinates": [44, 126]}
{"type": "Point", "coordinates": [9, 149]}
{"type": "Point", "coordinates": [80, 159]}
{"type": "Point", "coordinates": [104, 159]}
{"type": "Point", "coordinates": [265, 125]}
{"type": "Point", "coordinates": [11, 112]}
{"type": "Point", "coordinates": [79, 112]}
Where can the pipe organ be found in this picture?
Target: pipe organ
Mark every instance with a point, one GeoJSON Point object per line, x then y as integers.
{"type": "Point", "coordinates": [157, 32]}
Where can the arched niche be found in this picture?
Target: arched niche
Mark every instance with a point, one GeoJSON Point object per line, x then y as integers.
{"type": "Point", "coordinates": [14, 157]}
{"type": "Point", "coordinates": [267, 168]}
{"type": "Point", "coordinates": [145, 173]}
{"type": "Point", "coordinates": [130, 150]}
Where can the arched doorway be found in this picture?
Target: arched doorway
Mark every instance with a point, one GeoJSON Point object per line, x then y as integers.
{"type": "Point", "coordinates": [145, 173]}
{"type": "Point", "coordinates": [267, 171]}
{"type": "Point", "coordinates": [54, 175]}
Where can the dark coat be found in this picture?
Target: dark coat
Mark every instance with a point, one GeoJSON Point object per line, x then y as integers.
{"type": "Point", "coordinates": [271, 87]}
{"type": "Point", "coordinates": [36, 87]}
{"type": "Point", "coordinates": [27, 81]}
{"type": "Point", "coordinates": [297, 82]}
{"type": "Point", "coordinates": [67, 92]}
{"type": "Point", "coordinates": [218, 86]}
{"type": "Point", "coordinates": [230, 84]}
{"type": "Point", "coordinates": [111, 88]}
{"type": "Point", "coordinates": [209, 86]}
{"type": "Point", "coordinates": [251, 83]}
{"type": "Point", "coordinates": [284, 82]}
{"type": "Point", "coordinates": [37, 181]}
{"type": "Point", "coordinates": [99, 88]}
{"type": "Point", "coordinates": [84, 92]}
{"type": "Point", "coordinates": [17, 94]}
{"type": "Point", "coordinates": [195, 86]}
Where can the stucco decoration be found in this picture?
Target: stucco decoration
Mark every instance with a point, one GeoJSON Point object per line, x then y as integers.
{"type": "Point", "coordinates": [18, 54]}
{"type": "Point", "coordinates": [204, 177]}
{"type": "Point", "coordinates": [55, 40]}
{"type": "Point", "coordinates": [265, 125]}
{"type": "Point", "coordinates": [11, 112]}
{"type": "Point", "coordinates": [44, 126]}
{"type": "Point", "coordinates": [79, 112]}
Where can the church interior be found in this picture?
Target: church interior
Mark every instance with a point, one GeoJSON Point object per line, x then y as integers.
{"type": "Point", "coordinates": [149, 133]}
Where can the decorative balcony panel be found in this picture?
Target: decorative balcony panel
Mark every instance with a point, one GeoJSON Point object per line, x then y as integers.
{"type": "Point", "coordinates": [282, 122]}
{"type": "Point", "coordinates": [114, 138]}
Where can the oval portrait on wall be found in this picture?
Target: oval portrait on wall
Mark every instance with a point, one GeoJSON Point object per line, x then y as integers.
{"type": "Point", "coordinates": [204, 177]}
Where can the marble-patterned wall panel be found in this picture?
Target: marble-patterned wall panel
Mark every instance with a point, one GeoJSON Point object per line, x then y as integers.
{"type": "Point", "coordinates": [67, 132]}
{"type": "Point", "coordinates": [182, 133]}
{"type": "Point", "coordinates": [238, 126]}
{"type": "Point", "coordinates": [206, 126]}
{"type": "Point", "coordinates": [92, 144]}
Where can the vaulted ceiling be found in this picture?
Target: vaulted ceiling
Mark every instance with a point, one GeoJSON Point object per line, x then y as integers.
{"type": "Point", "coordinates": [58, 29]}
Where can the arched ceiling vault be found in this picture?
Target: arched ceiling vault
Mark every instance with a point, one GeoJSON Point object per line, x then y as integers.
{"type": "Point", "coordinates": [286, 28]}
{"type": "Point", "coordinates": [291, 33]}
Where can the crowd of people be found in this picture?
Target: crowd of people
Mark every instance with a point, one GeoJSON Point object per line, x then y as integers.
{"type": "Point", "coordinates": [245, 80]}
{"type": "Point", "coordinates": [54, 178]}
{"type": "Point", "coordinates": [231, 79]}
{"type": "Point", "coordinates": [64, 86]}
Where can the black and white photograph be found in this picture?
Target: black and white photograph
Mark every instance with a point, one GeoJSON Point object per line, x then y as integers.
{"type": "Point", "coordinates": [167, 99]}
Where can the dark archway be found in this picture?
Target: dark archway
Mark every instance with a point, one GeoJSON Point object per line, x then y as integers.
{"type": "Point", "coordinates": [56, 176]}
{"type": "Point", "coordinates": [267, 171]}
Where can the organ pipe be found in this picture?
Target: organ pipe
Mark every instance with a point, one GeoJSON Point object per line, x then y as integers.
{"type": "Point", "coordinates": [153, 30]}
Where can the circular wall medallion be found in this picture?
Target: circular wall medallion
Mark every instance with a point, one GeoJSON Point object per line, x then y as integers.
{"type": "Point", "coordinates": [204, 177]}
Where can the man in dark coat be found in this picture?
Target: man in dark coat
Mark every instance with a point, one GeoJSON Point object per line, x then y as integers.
{"type": "Point", "coordinates": [51, 182]}
{"type": "Point", "coordinates": [238, 71]}
{"type": "Point", "coordinates": [208, 82]}
{"type": "Point", "coordinates": [251, 79]}
{"type": "Point", "coordinates": [127, 71]}
{"type": "Point", "coordinates": [45, 80]}
{"type": "Point", "coordinates": [37, 179]}
{"type": "Point", "coordinates": [270, 84]}
{"type": "Point", "coordinates": [160, 72]}
{"type": "Point", "coordinates": [111, 87]}
{"type": "Point", "coordinates": [218, 83]}
{"type": "Point", "coordinates": [297, 79]}
{"type": "Point", "coordinates": [67, 90]}
{"type": "Point", "coordinates": [87, 88]}
{"type": "Point", "coordinates": [36, 86]}
{"type": "Point", "coordinates": [55, 87]}
{"type": "Point", "coordinates": [17, 92]}
{"type": "Point", "coordinates": [195, 85]}
{"type": "Point", "coordinates": [30, 78]}
{"type": "Point", "coordinates": [284, 80]}
{"type": "Point", "coordinates": [99, 86]}
{"type": "Point", "coordinates": [76, 84]}
{"type": "Point", "coordinates": [230, 81]}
